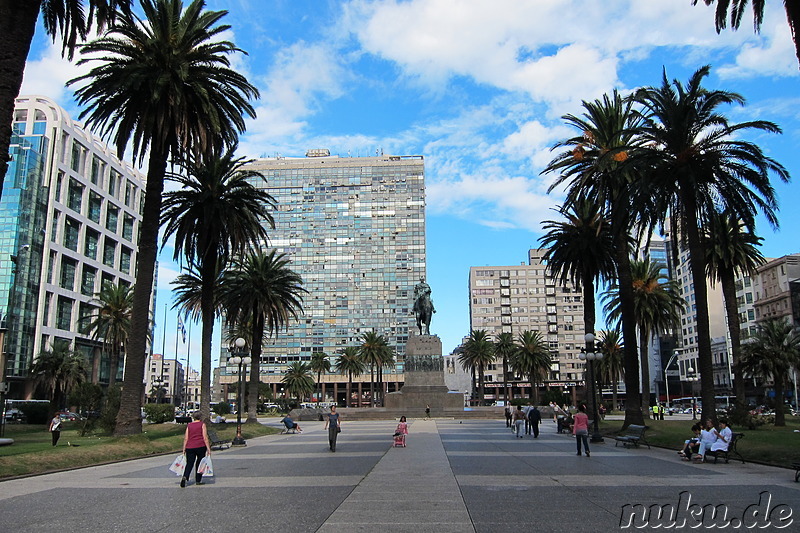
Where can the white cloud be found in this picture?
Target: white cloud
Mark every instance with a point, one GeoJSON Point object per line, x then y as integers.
{"type": "Point", "coordinates": [47, 75]}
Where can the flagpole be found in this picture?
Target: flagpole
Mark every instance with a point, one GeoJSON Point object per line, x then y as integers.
{"type": "Point", "coordinates": [188, 364]}
{"type": "Point", "coordinates": [163, 350]}
{"type": "Point", "coordinates": [175, 376]}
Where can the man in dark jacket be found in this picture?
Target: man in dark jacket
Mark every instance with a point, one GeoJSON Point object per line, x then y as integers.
{"type": "Point", "coordinates": [534, 419]}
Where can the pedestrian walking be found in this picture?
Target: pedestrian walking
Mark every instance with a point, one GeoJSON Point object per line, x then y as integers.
{"type": "Point", "coordinates": [534, 419]}
{"type": "Point", "coordinates": [427, 411]}
{"type": "Point", "coordinates": [508, 416]}
{"type": "Point", "coordinates": [526, 410]}
{"type": "Point", "coordinates": [55, 428]}
{"type": "Point", "coordinates": [519, 420]}
{"type": "Point", "coordinates": [333, 425]}
{"type": "Point", "coordinates": [580, 428]}
{"type": "Point", "coordinates": [196, 445]}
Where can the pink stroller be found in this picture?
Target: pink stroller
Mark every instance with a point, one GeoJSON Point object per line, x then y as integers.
{"type": "Point", "coordinates": [400, 433]}
{"type": "Point", "coordinates": [399, 440]}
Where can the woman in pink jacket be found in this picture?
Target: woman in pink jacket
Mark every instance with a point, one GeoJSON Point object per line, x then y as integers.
{"type": "Point", "coordinates": [580, 429]}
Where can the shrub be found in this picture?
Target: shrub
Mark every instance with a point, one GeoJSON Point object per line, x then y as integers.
{"type": "Point", "coordinates": [158, 413]}
{"type": "Point", "coordinates": [221, 408]}
{"type": "Point", "coordinates": [108, 415]}
{"type": "Point", "coordinates": [36, 413]}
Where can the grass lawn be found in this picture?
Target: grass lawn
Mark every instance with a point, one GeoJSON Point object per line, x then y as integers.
{"type": "Point", "coordinates": [32, 451]}
{"type": "Point", "coordinates": [767, 444]}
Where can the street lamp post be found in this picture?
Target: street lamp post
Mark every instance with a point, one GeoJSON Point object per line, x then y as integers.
{"type": "Point", "coordinates": [691, 377]}
{"type": "Point", "coordinates": [590, 354]}
{"type": "Point", "coordinates": [158, 383]}
{"type": "Point", "coordinates": [241, 360]}
{"type": "Point", "coordinates": [675, 354]}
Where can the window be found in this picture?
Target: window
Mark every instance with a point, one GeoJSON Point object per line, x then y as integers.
{"type": "Point", "coordinates": [113, 182]}
{"type": "Point", "coordinates": [59, 182]}
{"type": "Point", "coordinates": [127, 227]}
{"type": "Point", "coordinates": [68, 267]}
{"type": "Point", "coordinates": [54, 226]}
{"type": "Point", "coordinates": [95, 207]}
{"type": "Point", "coordinates": [95, 177]}
{"type": "Point", "coordinates": [87, 280]}
{"type": "Point", "coordinates": [90, 246]}
{"type": "Point", "coordinates": [77, 156]}
{"type": "Point", "coordinates": [50, 266]}
{"type": "Point", "coordinates": [74, 196]}
{"type": "Point", "coordinates": [109, 252]}
{"type": "Point", "coordinates": [130, 193]}
{"type": "Point", "coordinates": [125, 259]}
{"type": "Point", "coordinates": [46, 317]}
{"type": "Point", "coordinates": [85, 312]}
{"type": "Point", "coordinates": [64, 313]}
{"type": "Point", "coordinates": [112, 215]}
{"type": "Point", "coordinates": [71, 230]}
{"type": "Point", "coordinates": [107, 279]}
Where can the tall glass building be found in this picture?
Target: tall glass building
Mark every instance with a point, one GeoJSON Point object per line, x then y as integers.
{"type": "Point", "coordinates": [354, 229]}
{"type": "Point", "coordinates": [69, 218]}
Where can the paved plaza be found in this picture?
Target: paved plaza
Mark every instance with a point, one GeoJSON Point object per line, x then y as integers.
{"type": "Point", "coordinates": [454, 476]}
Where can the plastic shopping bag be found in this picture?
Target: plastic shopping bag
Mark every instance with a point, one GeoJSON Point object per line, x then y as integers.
{"type": "Point", "coordinates": [206, 468]}
{"type": "Point", "coordinates": [178, 465]}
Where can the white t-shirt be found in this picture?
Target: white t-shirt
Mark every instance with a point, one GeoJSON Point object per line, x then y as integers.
{"type": "Point", "coordinates": [720, 444]}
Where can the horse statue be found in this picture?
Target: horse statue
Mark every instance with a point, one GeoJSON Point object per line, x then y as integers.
{"type": "Point", "coordinates": [423, 307]}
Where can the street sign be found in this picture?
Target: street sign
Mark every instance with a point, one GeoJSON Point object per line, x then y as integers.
{"type": "Point", "coordinates": [673, 373]}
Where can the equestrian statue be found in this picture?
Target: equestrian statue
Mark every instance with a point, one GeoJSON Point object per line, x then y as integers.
{"type": "Point", "coordinates": [423, 306]}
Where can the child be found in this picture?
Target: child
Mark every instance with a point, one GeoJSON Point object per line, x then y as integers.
{"type": "Point", "coordinates": [691, 445]}
{"type": "Point", "coordinates": [401, 432]}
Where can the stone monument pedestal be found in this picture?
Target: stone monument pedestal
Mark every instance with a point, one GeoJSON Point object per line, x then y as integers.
{"type": "Point", "coordinates": [424, 379]}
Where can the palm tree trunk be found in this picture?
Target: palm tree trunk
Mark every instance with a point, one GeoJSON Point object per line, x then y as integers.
{"type": "Point", "coordinates": [614, 395]}
{"type": "Point", "coordinates": [505, 380]}
{"type": "Point", "coordinates": [780, 417]}
{"type": "Point", "coordinates": [129, 420]}
{"type": "Point", "coordinates": [793, 16]}
{"type": "Point", "coordinates": [633, 404]}
{"type": "Point", "coordinates": [208, 277]}
{"type": "Point", "coordinates": [372, 384]}
{"type": "Point", "coordinates": [17, 28]}
{"type": "Point", "coordinates": [255, 366]}
{"type": "Point", "coordinates": [705, 361]}
{"type": "Point", "coordinates": [643, 337]}
{"type": "Point", "coordinates": [589, 317]}
{"type": "Point", "coordinates": [349, 400]}
{"type": "Point", "coordinates": [480, 384]}
{"type": "Point", "coordinates": [734, 329]}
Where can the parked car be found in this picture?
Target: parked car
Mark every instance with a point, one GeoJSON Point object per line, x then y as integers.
{"type": "Point", "coordinates": [14, 415]}
{"type": "Point", "coordinates": [66, 415]}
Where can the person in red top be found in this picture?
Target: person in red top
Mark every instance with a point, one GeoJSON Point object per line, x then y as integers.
{"type": "Point", "coordinates": [580, 429]}
{"type": "Point", "coordinates": [196, 445]}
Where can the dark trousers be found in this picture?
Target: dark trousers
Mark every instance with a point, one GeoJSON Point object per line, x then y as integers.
{"type": "Point", "coordinates": [535, 426]}
{"type": "Point", "coordinates": [584, 438]}
{"type": "Point", "coordinates": [194, 455]}
{"type": "Point", "coordinates": [527, 426]}
{"type": "Point", "coordinates": [333, 432]}
{"type": "Point", "coordinates": [56, 435]}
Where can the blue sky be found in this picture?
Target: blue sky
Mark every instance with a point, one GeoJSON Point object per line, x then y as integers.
{"type": "Point", "coordinates": [478, 88]}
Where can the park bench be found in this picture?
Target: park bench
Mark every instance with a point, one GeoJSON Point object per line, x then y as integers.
{"type": "Point", "coordinates": [725, 454]}
{"type": "Point", "coordinates": [216, 441]}
{"type": "Point", "coordinates": [632, 437]}
{"type": "Point", "coordinates": [183, 419]}
{"type": "Point", "coordinates": [796, 467]}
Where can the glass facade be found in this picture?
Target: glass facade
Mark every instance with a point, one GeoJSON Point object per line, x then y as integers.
{"type": "Point", "coordinates": [354, 229]}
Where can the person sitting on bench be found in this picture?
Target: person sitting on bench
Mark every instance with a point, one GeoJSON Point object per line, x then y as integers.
{"type": "Point", "coordinates": [291, 424]}
{"type": "Point", "coordinates": [724, 437]}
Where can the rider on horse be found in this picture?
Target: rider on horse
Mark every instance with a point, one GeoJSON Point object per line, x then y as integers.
{"type": "Point", "coordinates": [423, 306]}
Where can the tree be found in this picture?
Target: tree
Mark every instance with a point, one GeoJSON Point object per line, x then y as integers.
{"type": "Point", "coordinates": [736, 8]}
{"type": "Point", "coordinates": [657, 305]}
{"type": "Point", "coordinates": [112, 323]}
{"type": "Point", "coordinates": [596, 164]}
{"type": "Point", "coordinates": [731, 250]}
{"type": "Point", "coordinates": [771, 354]}
{"type": "Point", "coordinates": [69, 18]}
{"type": "Point", "coordinates": [163, 82]}
{"type": "Point", "coordinates": [532, 359]}
{"type": "Point", "coordinates": [698, 161]}
{"type": "Point", "coordinates": [477, 355]}
{"type": "Point", "coordinates": [374, 351]}
{"type": "Point", "coordinates": [319, 364]}
{"type": "Point", "coordinates": [505, 348]}
{"type": "Point", "coordinates": [349, 362]}
{"type": "Point", "coordinates": [263, 290]}
{"type": "Point", "coordinates": [298, 380]}
{"type": "Point", "coordinates": [611, 366]}
{"type": "Point", "coordinates": [215, 214]}
{"type": "Point", "coordinates": [58, 370]}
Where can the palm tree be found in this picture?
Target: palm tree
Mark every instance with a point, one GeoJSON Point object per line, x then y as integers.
{"type": "Point", "coordinates": [263, 290]}
{"type": "Point", "coordinates": [611, 366]}
{"type": "Point", "coordinates": [697, 161]}
{"type": "Point", "coordinates": [736, 9]}
{"type": "Point", "coordinates": [595, 164]}
{"type": "Point", "coordinates": [165, 82]}
{"type": "Point", "coordinates": [112, 323]}
{"type": "Point", "coordinates": [731, 250]}
{"type": "Point", "coordinates": [505, 348]}
{"type": "Point", "coordinates": [532, 359]}
{"type": "Point", "coordinates": [298, 380]}
{"type": "Point", "coordinates": [373, 351]}
{"type": "Point", "coordinates": [771, 354]}
{"type": "Point", "coordinates": [69, 18]}
{"type": "Point", "coordinates": [319, 364]}
{"type": "Point", "coordinates": [387, 361]}
{"type": "Point", "coordinates": [349, 362]}
{"type": "Point", "coordinates": [477, 355]}
{"type": "Point", "coordinates": [216, 213]}
{"type": "Point", "coordinates": [58, 370]}
{"type": "Point", "coordinates": [658, 307]}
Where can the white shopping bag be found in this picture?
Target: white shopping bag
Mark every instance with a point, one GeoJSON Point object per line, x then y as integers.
{"type": "Point", "coordinates": [206, 468]}
{"type": "Point", "coordinates": [178, 465]}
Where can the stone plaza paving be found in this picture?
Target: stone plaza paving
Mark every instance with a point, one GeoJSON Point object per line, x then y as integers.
{"type": "Point", "coordinates": [454, 476]}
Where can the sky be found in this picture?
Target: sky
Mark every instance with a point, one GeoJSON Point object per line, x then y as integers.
{"type": "Point", "coordinates": [479, 88]}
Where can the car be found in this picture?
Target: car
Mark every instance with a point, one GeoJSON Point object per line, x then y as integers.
{"type": "Point", "coordinates": [15, 415]}
{"type": "Point", "coordinates": [66, 415]}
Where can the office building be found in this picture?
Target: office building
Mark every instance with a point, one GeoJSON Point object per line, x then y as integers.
{"type": "Point", "coordinates": [165, 380]}
{"type": "Point", "coordinates": [514, 299]}
{"type": "Point", "coordinates": [69, 215]}
{"type": "Point", "coordinates": [354, 229]}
